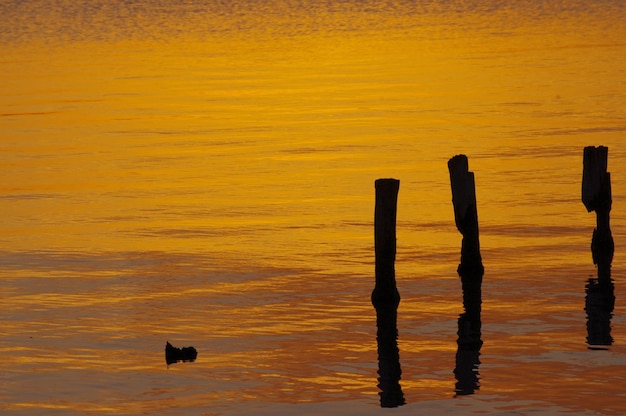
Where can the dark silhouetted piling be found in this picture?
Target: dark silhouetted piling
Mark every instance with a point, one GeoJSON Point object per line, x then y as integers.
{"type": "Point", "coordinates": [385, 296]}
{"type": "Point", "coordinates": [466, 218]}
{"type": "Point", "coordinates": [466, 215]}
{"type": "Point", "coordinates": [596, 195]}
{"type": "Point", "coordinates": [471, 272]}
{"type": "Point", "coordinates": [385, 290]}
{"type": "Point", "coordinates": [599, 293]}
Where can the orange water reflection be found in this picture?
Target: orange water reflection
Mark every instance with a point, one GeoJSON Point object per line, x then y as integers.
{"type": "Point", "coordinates": [205, 175]}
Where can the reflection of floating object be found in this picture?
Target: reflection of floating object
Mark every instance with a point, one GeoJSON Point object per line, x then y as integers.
{"type": "Point", "coordinates": [174, 355]}
{"type": "Point", "coordinates": [599, 347]}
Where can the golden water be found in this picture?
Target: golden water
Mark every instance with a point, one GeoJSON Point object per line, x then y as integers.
{"type": "Point", "coordinates": [202, 172]}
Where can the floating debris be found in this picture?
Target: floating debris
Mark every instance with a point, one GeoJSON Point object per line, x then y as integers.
{"type": "Point", "coordinates": [174, 355]}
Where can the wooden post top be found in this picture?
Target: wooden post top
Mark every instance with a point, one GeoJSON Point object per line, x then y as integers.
{"type": "Point", "coordinates": [596, 186]}
{"type": "Point", "coordinates": [463, 187]}
{"type": "Point", "coordinates": [387, 183]}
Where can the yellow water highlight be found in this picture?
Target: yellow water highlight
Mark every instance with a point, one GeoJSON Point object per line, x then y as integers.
{"type": "Point", "coordinates": [205, 176]}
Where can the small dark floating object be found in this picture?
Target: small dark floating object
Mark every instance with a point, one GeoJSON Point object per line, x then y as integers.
{"type": "Point", "coordinates": [174, 355]}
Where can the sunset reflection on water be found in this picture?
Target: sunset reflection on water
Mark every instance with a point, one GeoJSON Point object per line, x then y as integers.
{"type": "Point", "coordinates": [203, 173]}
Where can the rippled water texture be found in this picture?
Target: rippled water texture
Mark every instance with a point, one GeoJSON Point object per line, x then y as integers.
{"type": "Point", "coordinates": [202, 172]}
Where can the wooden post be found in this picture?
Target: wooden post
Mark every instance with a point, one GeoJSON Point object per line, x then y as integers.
{"type": "Point", "coordinates": [466, 218]}
{"type": "Point", "coordinates": [471, 271]}
{"type": "Point", "coordinates": [385, 290]}
{"type": "Point", "coordinates": [596, 195]}
{"type": "Point", "coordinates": [385, 296]}
{"type": "Point", "coordinates": [599, 293]}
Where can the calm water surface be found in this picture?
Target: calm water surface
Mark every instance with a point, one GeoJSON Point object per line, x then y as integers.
{"type": "Point", "coordinates": [202, 172]}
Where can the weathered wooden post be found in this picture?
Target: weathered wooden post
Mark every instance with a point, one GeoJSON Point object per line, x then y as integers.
{"type": "Point", "coordinates": [471, 271]}
{"type": "Point", "coordinates": [471, 268]}
{"type": "Point", "coordinates": [385, 290]}
{"type": "Point", "coordinates": [385, 296]}
{"type": "Point", "coordinates": [599, 293]}
{"type": "Point", "coordinates": [596, 195]}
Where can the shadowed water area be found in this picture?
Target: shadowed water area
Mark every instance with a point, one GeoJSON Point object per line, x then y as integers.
{"type": "Point", "coordinates": [202, 172]}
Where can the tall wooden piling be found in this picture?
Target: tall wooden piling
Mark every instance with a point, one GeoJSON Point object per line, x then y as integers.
{"type": "Point", "coordinates": [466, 218]}
{"type": "Point", "coordinates": [596, 195]}
{"type": "Point", "coordinates": [385, 296]}
{"type": "Point", "coordinates": [471, 271]}
{"type": "Point", "coordinates": [385, 290]}
{"type": "Point", "coordinates": [599, 293]}
{"type": "Point", "coordinates": [465, 214]}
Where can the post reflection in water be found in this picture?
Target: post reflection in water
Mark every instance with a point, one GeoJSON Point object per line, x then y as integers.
{"type": "Point", "coordinates": [469, 339]}
{"type": "Point", "coordinates": [599, 304]}
{"type": "Point", "coordinates": [389, 370]}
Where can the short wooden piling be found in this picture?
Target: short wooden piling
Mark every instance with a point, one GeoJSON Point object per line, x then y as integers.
{"type": "Point", "coordinates": [385, 290]}
{"type": "Point", "coordinates": [596, 195]}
